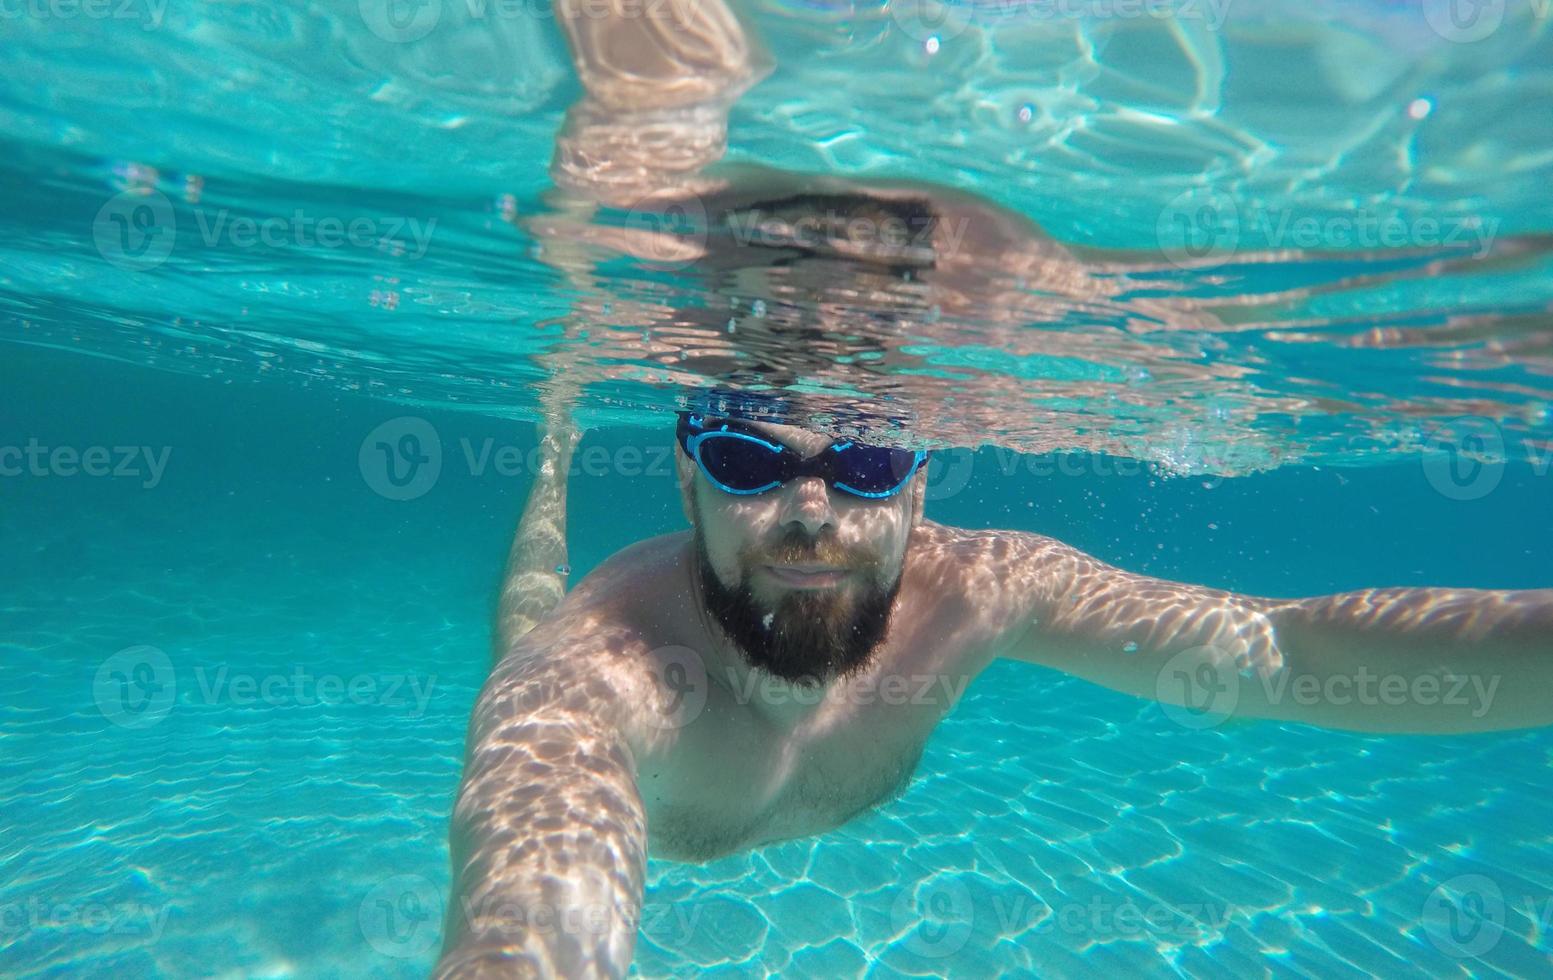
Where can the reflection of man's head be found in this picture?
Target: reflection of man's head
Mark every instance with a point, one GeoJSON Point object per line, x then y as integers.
{"type": "Point", "coordinates": [800, 574]}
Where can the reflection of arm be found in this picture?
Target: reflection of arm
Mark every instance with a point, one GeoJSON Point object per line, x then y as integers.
{"type": "Point", "coordinates": [549, 833]}
{"type": "Point", "coordinates": [658, 80]}
{"type": "Point", "coordinates": [1395, 660]}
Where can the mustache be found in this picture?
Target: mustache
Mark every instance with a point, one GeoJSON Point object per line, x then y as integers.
{"type": "Point", "coordinates": [797, 548]}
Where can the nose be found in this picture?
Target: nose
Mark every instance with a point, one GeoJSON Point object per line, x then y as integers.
{"type": "Point", "coordinates": [806, 502]}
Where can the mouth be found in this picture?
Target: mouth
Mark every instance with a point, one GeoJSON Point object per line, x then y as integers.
{"type": "Point", "coordinates": [807, 576]}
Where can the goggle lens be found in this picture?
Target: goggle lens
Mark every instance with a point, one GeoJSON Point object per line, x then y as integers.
{"type": "Point", "coordinates": [873, 470]}
{"type": "Point", "coordinates": [740, 464]}
{"type": "Point", "coordinates": [745, 463]}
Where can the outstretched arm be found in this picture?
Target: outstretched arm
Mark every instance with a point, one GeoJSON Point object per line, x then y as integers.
{"type": "Point", "coordinates": [537, 563]}
{"type": "Point", "coordinates": [1383, 660]}
{"type": "Point", "coordinates": [549, 835]}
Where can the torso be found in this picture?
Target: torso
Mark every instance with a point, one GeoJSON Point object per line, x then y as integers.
{"type": "Point", "coordinates": [751, 764]}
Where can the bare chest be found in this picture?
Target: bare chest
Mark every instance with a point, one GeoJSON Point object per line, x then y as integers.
{"type": "Point", "coordinates": [769, 761]}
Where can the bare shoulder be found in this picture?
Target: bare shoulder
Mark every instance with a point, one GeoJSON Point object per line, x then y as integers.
{"type": "Point", "coordinates": [987, 577]}
{"type": "Point", "coordinates": [628, 572]}
{"type": "Point", "coordinates": [980, 551]}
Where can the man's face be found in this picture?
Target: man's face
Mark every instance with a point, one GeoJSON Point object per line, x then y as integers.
{"type": "Point", "coordinates": [802, 577]}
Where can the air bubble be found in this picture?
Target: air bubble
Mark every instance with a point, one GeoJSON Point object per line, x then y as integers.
{"type": "Point", "coordinates": [758, 308]}
{"type": "Point", "coordinates": [563, 569]}
{"type": "Point", "coordinates": [1130, 647]}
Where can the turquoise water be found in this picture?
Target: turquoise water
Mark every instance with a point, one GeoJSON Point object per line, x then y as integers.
{"type": "Point", "coordinates": [310, 646]}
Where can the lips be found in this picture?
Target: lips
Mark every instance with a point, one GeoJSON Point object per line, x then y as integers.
{"type": "Point", "coordinates": [806, 576]}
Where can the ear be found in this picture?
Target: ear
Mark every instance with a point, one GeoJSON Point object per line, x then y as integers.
{"type": "Point", "coordinates": [685, 476]}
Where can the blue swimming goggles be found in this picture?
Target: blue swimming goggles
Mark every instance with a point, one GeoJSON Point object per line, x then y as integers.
{"type": "Point", "coordinates": [739, 460]}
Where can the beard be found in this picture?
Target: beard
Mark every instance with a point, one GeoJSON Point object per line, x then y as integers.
{"type": "Point", "coordinates": [807, 637]}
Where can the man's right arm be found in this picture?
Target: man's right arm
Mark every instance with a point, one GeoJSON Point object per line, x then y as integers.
{"type": "Point", "coordinates": [549, 835]}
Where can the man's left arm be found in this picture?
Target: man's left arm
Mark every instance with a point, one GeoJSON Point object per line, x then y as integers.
{"type": "Point", "coordinates": [1419, 660]}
